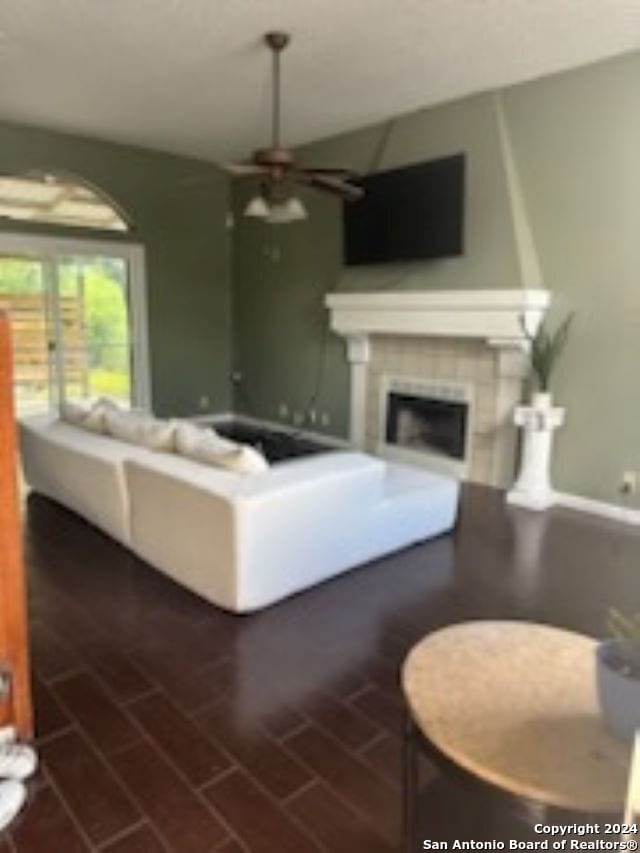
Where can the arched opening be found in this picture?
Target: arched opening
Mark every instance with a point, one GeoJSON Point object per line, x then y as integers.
{"type": "Point", "coordinates": [48, 198]}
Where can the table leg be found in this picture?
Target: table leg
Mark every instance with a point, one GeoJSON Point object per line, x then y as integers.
{"type": "Point", "coordinates": [410, 785]}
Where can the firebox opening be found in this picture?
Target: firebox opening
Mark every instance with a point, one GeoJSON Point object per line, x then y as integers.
{"type": "Point", "coordinates": [427, 424]}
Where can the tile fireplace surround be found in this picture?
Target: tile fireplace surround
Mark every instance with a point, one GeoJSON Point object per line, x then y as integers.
{"type": "Point", "coordinates": [448, 344]}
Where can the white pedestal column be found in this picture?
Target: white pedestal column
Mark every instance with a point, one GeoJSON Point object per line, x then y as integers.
{"type": "Point", "coordinates": [533, 487]}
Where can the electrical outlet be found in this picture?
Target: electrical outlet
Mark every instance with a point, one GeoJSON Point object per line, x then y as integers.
{"type": "Point", "coordinates": [312, 416]}
{"type": "Point", "coordinates": [298, 418]}
{"type": "Point", "coordinates": [325, 419]}
{"type": "Point", "coordinates": [283, 411]}
{"type": "Point", "coordinates": [236, 377]}
{"type": "Point", "coordinates": [629, 483]}
{"type": "Point", "coordinates": [204, 402]}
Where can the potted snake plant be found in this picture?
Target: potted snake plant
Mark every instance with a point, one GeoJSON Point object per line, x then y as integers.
{"type": "Point", "coordinates": [618, 674]}
{"type": "Point", "coordinates": [545, 348]}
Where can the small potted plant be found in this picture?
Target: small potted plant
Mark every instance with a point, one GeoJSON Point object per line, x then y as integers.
{"type": "Point", "coordinates": [538, 420]}
{"type": "Point", "coordinates": [545, 349]}
{"type": "Point", "coordinates": [618, 674]}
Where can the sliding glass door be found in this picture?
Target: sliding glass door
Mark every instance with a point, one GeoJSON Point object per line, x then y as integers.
{"type": "Point", "coordinates": [77, 329]}
{"type": "Point", "coordinates": [93, 338]}
{"type": "Point", "coordinates": [25, 296]}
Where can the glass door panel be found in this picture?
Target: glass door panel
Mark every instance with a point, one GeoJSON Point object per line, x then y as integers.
{"type": "Point", "coordinates": [71, 328]}
{"type": "Point", "coordinates": [25, 296]}
{"type": "Point", "coordinates": [93, 328]}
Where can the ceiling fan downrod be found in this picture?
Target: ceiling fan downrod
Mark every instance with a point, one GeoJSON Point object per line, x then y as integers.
{"type": "Point", "coordinates": [277, 41]}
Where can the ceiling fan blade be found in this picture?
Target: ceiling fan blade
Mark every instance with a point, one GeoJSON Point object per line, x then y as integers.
{"type": "Point", "coordinates": [329, 184]}
{"type": "Point", "coordinates": [336, 172]}
{"type": "Point", "coordinates": [240, 170]}
{"type": "Point", "coordinates": [233, 169]}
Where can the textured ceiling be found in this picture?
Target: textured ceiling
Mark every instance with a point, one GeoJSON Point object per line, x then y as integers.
{"type": "Point", "coordinates": [191, 76]}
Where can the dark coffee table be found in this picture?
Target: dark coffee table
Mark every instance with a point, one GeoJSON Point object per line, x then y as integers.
{"type": "Point", "coordinates": [275, 445]}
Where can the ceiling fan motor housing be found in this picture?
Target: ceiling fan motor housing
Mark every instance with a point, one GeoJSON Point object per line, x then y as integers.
{"type": "Point", "coordinates": [277, 40]}
{"type": "Point", "coordinates": [273, 158]}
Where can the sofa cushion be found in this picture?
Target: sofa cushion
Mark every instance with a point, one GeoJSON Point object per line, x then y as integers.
{"type": "Point", "coordinates": [201, 445]}
{"type": "Point", "coordinates": [86, 414]}
{"type": "Point", "coordinates": [242, 460]}
{"type": "Point", "coordinates": [206, 446]}
{"type": "Point", "coordinates": [95, 420]}
{"type": "Point", "coordinates": [140, 429]}
{"type": "Point", "coordinates": [74, 413]}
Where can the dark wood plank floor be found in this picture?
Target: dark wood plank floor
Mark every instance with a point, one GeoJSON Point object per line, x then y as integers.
{"type": "Point", "coordinates": [166, 724]}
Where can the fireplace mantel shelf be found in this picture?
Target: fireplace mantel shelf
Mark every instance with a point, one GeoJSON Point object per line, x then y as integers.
{"type": "Point", "coordinates": [492, 315]}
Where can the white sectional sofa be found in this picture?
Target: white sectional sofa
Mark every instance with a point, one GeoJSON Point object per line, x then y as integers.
{"type": "Point", "coordinates": [241, 541]}
{"type": "Point", "coordinates": [82, 471]}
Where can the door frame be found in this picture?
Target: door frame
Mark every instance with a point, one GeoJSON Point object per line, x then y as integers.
{"type": "Point", "coordinates": [14, 643]}
{"type": "Point", "coordinates": [37, 246]}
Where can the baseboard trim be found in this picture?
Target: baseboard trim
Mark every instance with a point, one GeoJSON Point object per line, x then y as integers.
{"type": "Point", "coordinates": [601, 508]}
{"type": "Point", "coordinates": [276, 426]}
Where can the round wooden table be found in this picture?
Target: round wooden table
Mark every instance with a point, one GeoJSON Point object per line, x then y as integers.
{"type": "Point", "coordinates": [514, 705]}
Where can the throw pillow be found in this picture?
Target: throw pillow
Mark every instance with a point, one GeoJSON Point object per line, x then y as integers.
{"type": "Point", "coordinates": [74, 413]}
{"type": "Point", "coordinates": [201, 445]}
{"type": "Point", "coordinates": [95, 420]}
{"type": "Point", "coordinates": [243, 460]}
{"type": "Point", "coordinates": [140, 429]}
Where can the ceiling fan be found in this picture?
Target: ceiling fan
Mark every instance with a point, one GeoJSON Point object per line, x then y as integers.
{"type": "Point", "coordinates": [277, 168]}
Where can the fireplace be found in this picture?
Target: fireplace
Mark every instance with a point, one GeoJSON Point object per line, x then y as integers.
{"type": "Point", "coordinates": [426, 422]}
{"type": "Point", "coordinates": [435, 375]}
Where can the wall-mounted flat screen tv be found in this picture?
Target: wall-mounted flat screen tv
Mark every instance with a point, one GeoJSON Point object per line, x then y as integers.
{"type": "Point", "coordinates": [408, 214]}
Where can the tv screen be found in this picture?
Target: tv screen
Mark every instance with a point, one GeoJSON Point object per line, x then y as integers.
{"type": "Point", "coordinates": [407, 214]}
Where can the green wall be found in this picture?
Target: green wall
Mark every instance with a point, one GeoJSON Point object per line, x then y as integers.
{"type": "Point", "coordinates": [575, 139]}
{"type": "Point", "coordinates": [182, 226]}
{"type": "Point", "coordinates": [282, 345]}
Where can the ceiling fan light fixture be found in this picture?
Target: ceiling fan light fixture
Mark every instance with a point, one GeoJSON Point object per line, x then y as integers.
{"type": "Point", "coordinates": [257, 208]}
{"type": "Point", "coordinates": [289, 210]}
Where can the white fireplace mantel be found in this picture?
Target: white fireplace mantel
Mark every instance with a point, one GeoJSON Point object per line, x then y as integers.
{"type": "Point", "coordinates": [493, 315]}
